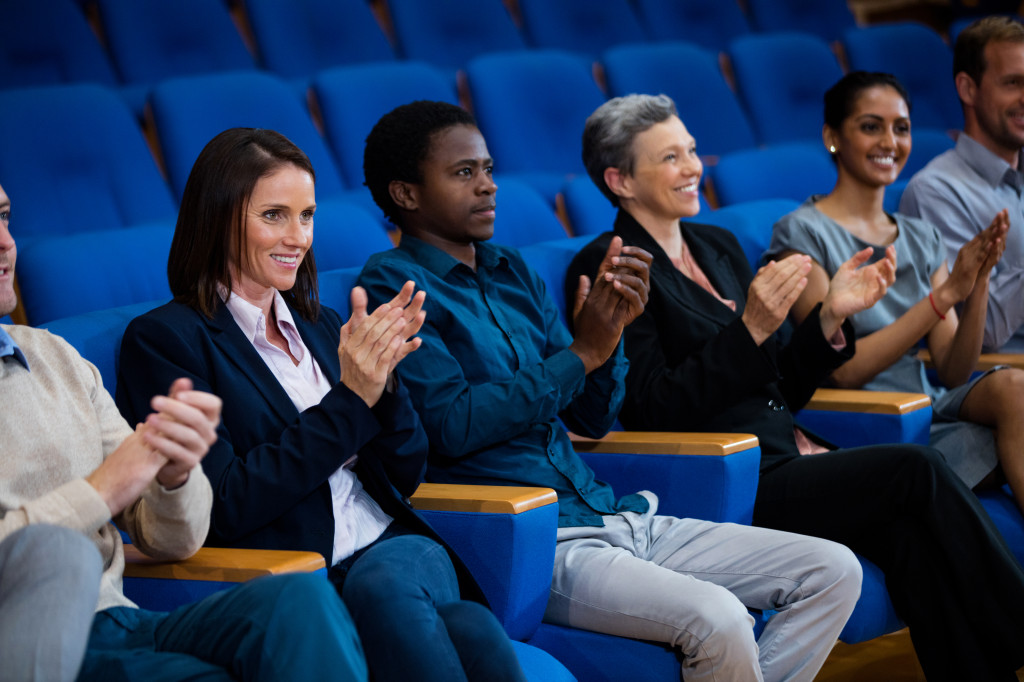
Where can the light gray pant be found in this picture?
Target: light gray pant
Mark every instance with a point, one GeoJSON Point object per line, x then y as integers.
{"type": "Point", "coordinates": [688, 582]}
{"type": "Point", "coordinates": [49, 585]}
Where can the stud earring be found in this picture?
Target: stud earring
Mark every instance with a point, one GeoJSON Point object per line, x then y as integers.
{"type": "Point", "coordinates": [832, 149]}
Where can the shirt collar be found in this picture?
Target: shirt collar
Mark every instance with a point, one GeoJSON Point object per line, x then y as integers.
{"type": "Point", "coordinates": [8, 348]}
{"type": "Point", "coordinates": [250, 318]}
{"type": "Point", "coordinates": [439, 263]}
{"type": "Point", "coordinates": [985, 163]}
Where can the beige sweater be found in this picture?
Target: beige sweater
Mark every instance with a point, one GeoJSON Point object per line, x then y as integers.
{"type": "Point", "coordinates": [57, 423]}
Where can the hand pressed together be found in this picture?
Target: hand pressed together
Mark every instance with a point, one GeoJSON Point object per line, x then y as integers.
{"type": "Point", "coordinates": [617, 296]}
{"type": "Point", "coordinates": [373, 344]}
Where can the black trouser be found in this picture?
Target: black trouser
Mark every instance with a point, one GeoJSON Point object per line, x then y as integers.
{"type": "Point", "coordinates": [949, 573]}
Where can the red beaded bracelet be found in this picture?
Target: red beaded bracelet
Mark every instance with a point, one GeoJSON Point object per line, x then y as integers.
{"type": "Point", "coordinates": [935, 307]}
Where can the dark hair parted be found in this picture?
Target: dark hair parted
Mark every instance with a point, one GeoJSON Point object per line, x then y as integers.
{"type": "Point", "coordinates": [969, 49]}
{"type": "Point", "coordinates": [609, 132]}
{"type": "Point", "coordinates": [399, 143]}
{"type": "Point", "coordinates": [842, 97]}
{"type": "Point", "coordinates": [212, 217]}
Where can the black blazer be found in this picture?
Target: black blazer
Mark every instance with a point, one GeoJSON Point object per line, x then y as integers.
{"type": "Point", "coordinates": [694, 365]}
{"type": "Point", "coordinates": [270, 464]}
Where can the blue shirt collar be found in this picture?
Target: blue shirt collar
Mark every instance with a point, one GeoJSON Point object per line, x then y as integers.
{"type": "Point", "coordinates": [9, 348]}
{"type": "Point", "coordinates": [439, 263]}
{"type": "Point", "coordinates": [987, 164]}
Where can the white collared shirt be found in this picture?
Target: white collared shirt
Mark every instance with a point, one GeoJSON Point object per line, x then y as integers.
{"type": "Point", "coordinates": [358, 519]}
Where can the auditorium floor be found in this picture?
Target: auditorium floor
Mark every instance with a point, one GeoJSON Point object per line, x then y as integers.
{"type": "Point", "coordinates": [890, 658]}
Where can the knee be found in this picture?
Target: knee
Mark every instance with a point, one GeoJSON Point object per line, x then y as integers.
{"type": "Point", "coordinates": [473, 624]}
{"type": "Point", "coordinates": [725, 632]}
{"type": "Point", "coordinates": [1008, 389]}
{"type": "Point", "coordinates": [839, 575]}
{"type": "Point", "coordinates": [411, 569]}
{"type": "Point", "coordinates": [44, 551]}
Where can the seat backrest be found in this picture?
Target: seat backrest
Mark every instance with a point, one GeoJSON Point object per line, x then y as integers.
{"type": "Point", "coordinates": [585, 26]}
{"type": "Point", "coordinates": [709, 24]}
{"type": "Point", "coordinates": [751, 222]}
{"type": "Point", "coordinates": [523, 216]}
{"type": "Point", "coordinates": [589, 211]}
{"type": "Point", "coordinates": [346, 234]}
{"type": "Point", "coordinates": [531, 107]}
{"type": "Point", "coordinates": [927, 144]}
{"type": "Point", "coordinates": [691, 76]}
{"type": "Point", "coordinates": [791, 171]}
{"type": "Point", "coordinates": [335, 288]}
{"type": "Point", "coordinates": [49, 43]}
{"type": "Point", "coordinates": [158, 39]}
{"type": "Point", "coordinates": [448, 33]}
{"type": "Point", "coordinates": [124, 266]}
{"type": "Point", "coordinates": [190, 111]}
{"type": "Point", "coordinates": [97, 336]}
{"type": "Point", "coordinates": [550, 260]}
{"type": "Point", "coordinates": [352, 98]}
{"type": "Point", "coordinates": [920, 58]}
{"type": "Point", "coordinates": [825, 18]}
{"type": "Point", "coordinates": [75, 159]}
{"type": "Point", "coordinates": [782, 79]}
{"type": "Point", "coordinates": [334, 32]}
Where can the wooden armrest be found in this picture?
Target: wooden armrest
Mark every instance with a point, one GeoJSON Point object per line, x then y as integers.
{"type": "Point", "coordinates": [876, 402]}
{"type": "Point", "coordinates": [490, 499]}
{"type": "Point", "coordinates": [986, 361]}
{"type": "Point", "coordinates": [666, 443]}
{"type": "Point", "coordinates": [222, 564]}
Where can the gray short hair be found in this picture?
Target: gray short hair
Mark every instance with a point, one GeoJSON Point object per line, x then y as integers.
{"type": "Point", "coordinates": [609, 133]}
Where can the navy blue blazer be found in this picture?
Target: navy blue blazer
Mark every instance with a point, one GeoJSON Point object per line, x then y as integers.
{"type": "Point", "coordinates": [270, 465]}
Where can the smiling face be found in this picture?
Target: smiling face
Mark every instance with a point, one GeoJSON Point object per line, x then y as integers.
{"type": "Point", "coordinates": [998, 101]}
{"type": "Point", "coordinates": [874, 141]}
{"type": "Point", "coordinates": [665, 182]}
{"type": "Point", "coordinates": [454, 204]}
{"type": "Point", "coordinates": [278, 232]}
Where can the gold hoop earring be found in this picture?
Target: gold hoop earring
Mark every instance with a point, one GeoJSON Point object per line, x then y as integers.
{"type": "Point", "coordinates": [832, 149]}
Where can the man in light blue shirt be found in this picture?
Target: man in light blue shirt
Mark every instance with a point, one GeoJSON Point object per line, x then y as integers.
{"type": "Point", "coordinates": [963, 189]}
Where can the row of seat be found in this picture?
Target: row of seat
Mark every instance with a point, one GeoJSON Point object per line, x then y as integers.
{"type": "Point", "coordinates": [512, 556]}
{"type": "Point", "coordinates": [148, 42]}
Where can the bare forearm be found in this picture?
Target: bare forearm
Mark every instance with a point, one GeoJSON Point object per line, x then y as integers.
{"type": "Point", "coordinates": [957, 361]}
{"type": "Point", "coordinates": [878, 351]}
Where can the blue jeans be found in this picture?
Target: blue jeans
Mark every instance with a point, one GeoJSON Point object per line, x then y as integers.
{"type": "Point", "coordinates": [290, 627]}
{"type": "Point", "coordinates": [403, 594]}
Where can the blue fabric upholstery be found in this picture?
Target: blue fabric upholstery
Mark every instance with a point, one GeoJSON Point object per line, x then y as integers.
{"type": "Point", "coordinates": [190, 111]}
{"type": "Point", "coordinates": [48, 43]}
{"type": "Point", "coordinates": [1004, 513]}
{"type": "Point", "coordinates": [785, 171]}
{"type": "Point", "coordinates": [781, 78]}
{"type": "Point", "coordinates": [346, 234]}
{"type": "Point", "coordinates": [352, 98]}
{"type": "Point", "coordinates": [523, 216]}
{"type": "Point", "coordinates": [150, 41]}
{"type": "Point", "coordinates": [715, 119]}
{"type": "Point", "coordinates": [854, 429]}
{"type": "Point", "coordinates": [585, 26]}
{"type": "Point", "coordinates": [97, 336]}
{"type": "Point", "coordinates": [75, 159]}
{"type": "Point", "coordinates": [589, 212]}
{"type": "Point", "coordinates": [335, 288]}
{"type": "Point", "coordinates": [750, 222]}
{"type": "Point", "coordinates": [448, 33]}
{"type": "Point", "coordinates": [710, 24]}
{"type": "Point", "coordinates": [333, 32]}
{"type": "Point", "coordinates": [596, 657]}
{"type": "Point", "coordinates": [511, 557]}
{"type": "Point", "coordinates": [825, 18]}
{"type": "Point", "coordinates": [920, 58]}
{"type": "Point", "coordinates": [713, 488]}
{"type": "Point", "coordinates": [531, 107]}
{"type": "Point", "coordinates": [125, 266]}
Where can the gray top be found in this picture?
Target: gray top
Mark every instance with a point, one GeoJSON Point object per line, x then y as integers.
{"type": "Point", "coordinates": [919, 253]}
{"type": "Point", "coordinates": [960, 191]}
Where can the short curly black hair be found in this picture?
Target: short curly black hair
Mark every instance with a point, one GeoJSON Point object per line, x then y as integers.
{"type": "Point", "coordinates": [399, 143]}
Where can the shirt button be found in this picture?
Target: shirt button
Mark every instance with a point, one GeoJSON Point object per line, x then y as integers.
{"type": "Point", "coordinates": [776, 406]}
